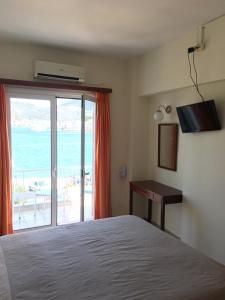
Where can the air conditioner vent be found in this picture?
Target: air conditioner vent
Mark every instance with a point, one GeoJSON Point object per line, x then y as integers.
{"type": "Point", "coordinates": [51, 76]}
{"type": "Point", "coordinates": [49, 70]}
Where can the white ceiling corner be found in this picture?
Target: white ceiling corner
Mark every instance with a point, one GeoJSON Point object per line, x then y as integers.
{"type": "Point", "coordinates": [119, 27]}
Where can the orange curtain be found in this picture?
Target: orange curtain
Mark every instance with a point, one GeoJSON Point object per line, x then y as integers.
{"type": "Point", "coordinates": [103, 157]}
{"type": "Point", "coordinates": [5, 168]}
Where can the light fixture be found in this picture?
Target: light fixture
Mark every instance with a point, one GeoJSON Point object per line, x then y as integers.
{"type": "Point", "coordinates": [158, 115]}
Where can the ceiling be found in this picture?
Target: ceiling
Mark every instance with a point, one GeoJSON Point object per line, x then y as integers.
{"type": "Point", "coordinates": [118, 27]}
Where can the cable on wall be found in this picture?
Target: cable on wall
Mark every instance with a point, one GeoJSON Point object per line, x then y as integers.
{"type": "Point", "coordinates": [198, 47]}
{"type": "Point", "coordinates": [214, 19]}
{"type": "Point", "coordinates": [191, 50]}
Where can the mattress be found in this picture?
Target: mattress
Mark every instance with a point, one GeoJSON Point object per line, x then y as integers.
{"type": "Point", "coordinates": [116, 258]}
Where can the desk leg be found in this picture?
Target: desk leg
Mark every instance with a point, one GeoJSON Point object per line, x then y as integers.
{"type": "Point", "coordinates": [162, 225]}
{"type": "Point", "coordinates": [149, 210]}
{"type": "Point", "coordinates": [131, 202]}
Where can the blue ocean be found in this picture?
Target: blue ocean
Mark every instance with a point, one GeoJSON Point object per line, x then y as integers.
{"type": "Point", "coordinates": [31, 153]}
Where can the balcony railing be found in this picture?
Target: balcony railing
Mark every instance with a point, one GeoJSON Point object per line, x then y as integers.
{"type": "Point", "coordinates": [32, 195]}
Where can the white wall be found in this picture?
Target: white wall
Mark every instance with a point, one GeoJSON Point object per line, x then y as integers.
{"type": "Point", "coordinates": [16, 62]}
{"type": "Point", "coordinates": [162, 77]}
{"type": "Point", "coordinates": [165, 68]}
{"type": "Point", "coordinates": [199, 221]}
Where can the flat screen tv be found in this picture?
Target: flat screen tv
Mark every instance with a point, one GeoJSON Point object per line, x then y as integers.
{"type": "Point", "coordinates": [198, 117]}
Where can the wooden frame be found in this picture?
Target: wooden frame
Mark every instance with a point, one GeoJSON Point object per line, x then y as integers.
{"type": "Point", "coordinates": [173, 155]}
{"type": "Point", "coordinates": [157, 192]}
{"type": "Point", "coordinates": [52, 85]}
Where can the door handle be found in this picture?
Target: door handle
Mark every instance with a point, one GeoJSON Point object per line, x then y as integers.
{"type": "Point", "coordinates": [85, 173]}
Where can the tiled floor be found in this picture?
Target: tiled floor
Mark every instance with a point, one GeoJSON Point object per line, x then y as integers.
{"type": "Point", "coordinates": [31, 215]}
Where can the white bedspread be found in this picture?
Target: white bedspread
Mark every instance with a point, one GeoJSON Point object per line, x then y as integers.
{"type": "Point", "coordinates": [117, 258]}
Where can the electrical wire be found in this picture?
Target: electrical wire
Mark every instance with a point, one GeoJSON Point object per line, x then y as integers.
{"type": "Point", "coordinates": [196, 75]}
{"type": "Point", "coordinates": [195, 82]}
{"type": "Point", "coordinates": [214, 19]}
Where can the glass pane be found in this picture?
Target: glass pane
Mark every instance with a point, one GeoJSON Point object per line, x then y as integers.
{"type": "Point", "coordinates": [31, 162]}
{"type": "Point", "coordinates": [89, 160]}
{"type": "Point", "coordinates": [68, 160]}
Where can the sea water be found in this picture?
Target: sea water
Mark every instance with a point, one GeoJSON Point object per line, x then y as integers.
{"type": "Point", "coordinates": [31, 153]}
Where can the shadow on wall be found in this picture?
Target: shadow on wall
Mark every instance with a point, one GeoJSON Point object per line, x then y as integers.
{"type": "Point", "coordinates": [192, 222]}
{"type": "Point", "coordinates": [220, 107]}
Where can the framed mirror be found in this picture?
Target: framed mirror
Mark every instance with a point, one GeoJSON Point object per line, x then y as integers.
{"type": "Point", "coordinates": [167, 146]}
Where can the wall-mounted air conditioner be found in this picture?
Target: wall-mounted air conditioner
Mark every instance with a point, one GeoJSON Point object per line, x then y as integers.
{"type": "Point", "coordinates": [50, 70]}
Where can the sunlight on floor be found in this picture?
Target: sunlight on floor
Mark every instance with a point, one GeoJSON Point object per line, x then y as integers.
{"type": "Point", "coordinates": [39, 214]}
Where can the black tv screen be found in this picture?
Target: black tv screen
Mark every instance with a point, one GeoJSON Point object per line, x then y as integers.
{"type": "Point", "coordinates": [198, 117]}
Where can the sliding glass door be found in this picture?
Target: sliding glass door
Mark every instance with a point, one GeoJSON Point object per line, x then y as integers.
{"type": "Point", "coordinates": [69, 157]}
{"type": "Point", "coordinates": [52, 144]}
{"type": "Point", "coordinates": [31, 162]}
{"type": "Point", "coordinates": [89, 159]}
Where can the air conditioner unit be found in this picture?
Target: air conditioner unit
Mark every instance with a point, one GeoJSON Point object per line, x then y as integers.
{"type": "Point", "coordinates": [50, 70]}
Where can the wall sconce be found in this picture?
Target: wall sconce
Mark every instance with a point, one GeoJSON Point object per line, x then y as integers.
{"type": "Point", "coordinates": [158, 115]}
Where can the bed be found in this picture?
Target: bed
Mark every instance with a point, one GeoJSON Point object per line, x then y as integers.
{"type": "Point", "coordinates": [116, 258]}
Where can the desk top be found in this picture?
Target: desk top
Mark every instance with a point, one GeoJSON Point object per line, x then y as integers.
{"type": "Point", "coordinates": [156, 187]}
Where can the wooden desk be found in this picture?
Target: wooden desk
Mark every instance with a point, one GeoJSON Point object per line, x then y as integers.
{"type": "Point", "coordinates": [157, 192]}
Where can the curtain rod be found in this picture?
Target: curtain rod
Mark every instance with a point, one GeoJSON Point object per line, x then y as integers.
{"type": "Point", "coordinates": [51, 85]}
